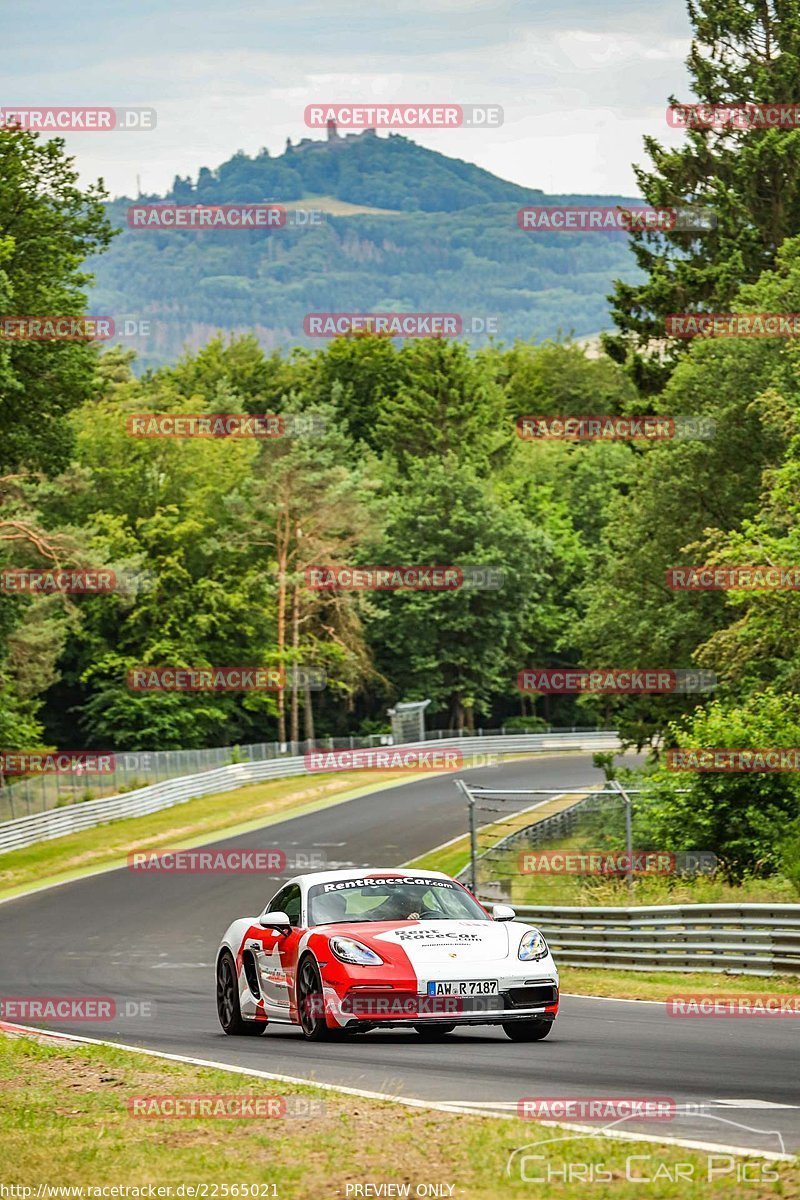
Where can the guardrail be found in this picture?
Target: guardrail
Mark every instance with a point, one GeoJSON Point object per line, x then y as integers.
{"type": "Point", "coordinates": [58, 822]}
{"type": "Point", "coordinates": [134, 770]}
{"type": "Point", "coordinates": [753, 939]}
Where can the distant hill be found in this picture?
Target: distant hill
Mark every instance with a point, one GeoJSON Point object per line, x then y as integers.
{"type": "Point", "coordinates": [382, 172]}
{"type": "Point", "coordinates": [444, 239]}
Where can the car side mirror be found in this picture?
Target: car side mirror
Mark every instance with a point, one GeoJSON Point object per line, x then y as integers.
{"type": "Point", "coordinates": [503, 912]}
{"type": "Point", "coordinates": [275, 920]}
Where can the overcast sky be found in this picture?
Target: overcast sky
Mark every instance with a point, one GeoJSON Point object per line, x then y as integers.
{"type": "Point", "coordinates": [581, 81]}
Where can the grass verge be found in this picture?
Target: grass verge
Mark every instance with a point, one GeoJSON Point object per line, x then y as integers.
{"type": "Point", "coordinates": [65, 1121]}
{"type": "Point", "coordinates": [658, 985]}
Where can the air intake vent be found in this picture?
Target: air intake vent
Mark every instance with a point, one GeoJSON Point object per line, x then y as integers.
{"type": "Point", "coordinates": [250, 973]}
{"type": "Point", "coordinates": [526, 997]}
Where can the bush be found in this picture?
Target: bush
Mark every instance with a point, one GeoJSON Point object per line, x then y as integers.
{"type": "Point", "coordinates": [791, 855]}
{"type": "Point", "coordinates": [741, 817]}
{"type": "Point", "coordinates": [525, 725]}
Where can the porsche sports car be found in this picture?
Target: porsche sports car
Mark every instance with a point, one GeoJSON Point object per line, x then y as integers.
{"type": "Point", "coordinates": [348, 951]}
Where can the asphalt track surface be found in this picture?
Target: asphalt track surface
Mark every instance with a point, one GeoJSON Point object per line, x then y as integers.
{"type": "Point", "coordinates": [152, 939]}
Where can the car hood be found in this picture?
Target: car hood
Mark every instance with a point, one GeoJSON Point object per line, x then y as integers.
{"type": "Point", "coordinates": [431, 941]}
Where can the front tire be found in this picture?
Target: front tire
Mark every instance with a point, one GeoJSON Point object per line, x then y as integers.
{"type": "Point", "coordinates": [433, 1033]}
{"type": "Point", "coordinates": [228, 1008]}
{"type": "Point", "coordinates": [310, 1004]}
{"type": "Point", "coordinates": [527, 1031]}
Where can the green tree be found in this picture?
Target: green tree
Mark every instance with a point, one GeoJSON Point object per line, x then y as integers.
{"type": "Point", "coordinates": [158, 509]}
{"type": "Point", "coordinates": [48, 226]}
{"type": "Point", "coordinates": [560, 379]}
{"type": "Point", "coordinates": [238, 365]}
{"type": "Point", "coordinates": [365, 368]}
{"type": "Point", "coordinates": [446, 404]}
{"type": "Point", "coordinates": [743, 51]}
{"type": "Point", "coordinates": [308, 503]}
{"type": "Point", "coordinates": [687, 497]}
{"type": "Point", "coordinates": [460, 648]}
{"type": "Point", "coordinates": [742, 817]}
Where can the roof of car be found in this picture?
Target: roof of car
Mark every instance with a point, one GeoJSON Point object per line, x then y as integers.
{"type": "Point", "coordinates": [310, 878]}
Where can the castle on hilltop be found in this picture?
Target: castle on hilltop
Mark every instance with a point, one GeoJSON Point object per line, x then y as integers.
{"type": "Point", "coordinates": [334, 139]}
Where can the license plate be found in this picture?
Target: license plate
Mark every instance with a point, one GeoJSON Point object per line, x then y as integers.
{"type": "Point", "coordinates": [463, 987]}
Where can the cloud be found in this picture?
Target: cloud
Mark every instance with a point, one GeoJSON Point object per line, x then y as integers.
{"type": "Point", "coordinates": [580, 82]}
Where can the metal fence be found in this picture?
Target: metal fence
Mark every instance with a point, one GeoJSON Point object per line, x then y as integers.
{"type": "Point", "coordinates": [137, 769]}
{"type": "Point", "coordinates": [503, 821]}
{"type": "Point", "coordinates": [56, 822]}
{"type": "Point", "coordinates": [752, 939]}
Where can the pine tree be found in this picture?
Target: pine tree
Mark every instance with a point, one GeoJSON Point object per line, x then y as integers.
{"type": "Point", "coordinates": [743, 52]}
{"type": "Point", "coordinates": [446, 401]}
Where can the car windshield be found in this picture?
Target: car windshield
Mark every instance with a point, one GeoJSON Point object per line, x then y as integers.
{"type": "Point", "coordinates": [391, 898]}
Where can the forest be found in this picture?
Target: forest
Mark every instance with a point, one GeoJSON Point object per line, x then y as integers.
{"type": "Point", "coordinates": [408, 454]}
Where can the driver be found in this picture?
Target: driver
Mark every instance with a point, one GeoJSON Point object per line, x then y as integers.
{"type": "Point", "coordinates": [404, 904]}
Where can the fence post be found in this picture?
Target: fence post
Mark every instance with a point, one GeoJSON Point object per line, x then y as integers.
{"type": "Point", "coordinates": [628, 831]}
{"type": "Point", "coordinates": [473, 838]}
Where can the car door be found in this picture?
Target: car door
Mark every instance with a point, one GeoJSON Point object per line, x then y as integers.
{"type": "Point", "coordinates": [276, 961]}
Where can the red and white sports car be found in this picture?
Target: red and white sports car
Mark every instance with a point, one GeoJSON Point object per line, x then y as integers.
{"type": "Point", "coordinates": [350, 951]}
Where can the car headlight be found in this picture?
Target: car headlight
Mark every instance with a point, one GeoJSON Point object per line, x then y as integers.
{"type": "Point", "coordinates": [350, 951]}
{"type": "Point", "coordinates": [533, 946]}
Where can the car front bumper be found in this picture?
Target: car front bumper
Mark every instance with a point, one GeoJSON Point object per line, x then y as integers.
{"type": "Point", "coordinates": [371, 1007]}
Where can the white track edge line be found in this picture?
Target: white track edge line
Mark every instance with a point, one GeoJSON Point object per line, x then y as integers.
{"type": "Point", "coordinates": [615, 999]}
